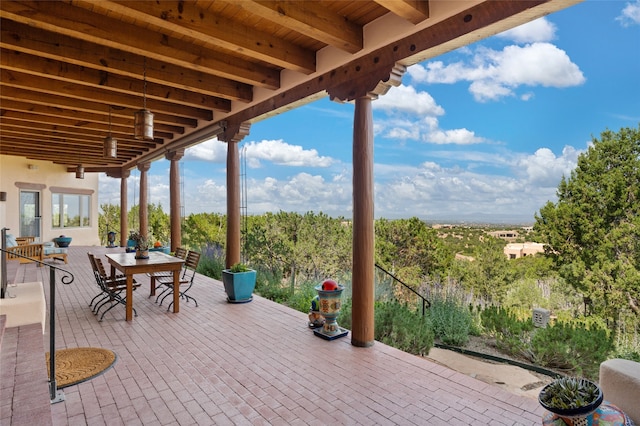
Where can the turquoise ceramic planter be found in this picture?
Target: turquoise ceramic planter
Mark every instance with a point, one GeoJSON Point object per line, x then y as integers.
{"type": "Point", "coordinates": [239, 286]}
{"type": "Point", "coordinates": [62, 241]}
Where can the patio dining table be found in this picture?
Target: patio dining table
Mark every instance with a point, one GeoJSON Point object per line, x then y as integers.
{"type": "Point", "coordinates": [157, 262]}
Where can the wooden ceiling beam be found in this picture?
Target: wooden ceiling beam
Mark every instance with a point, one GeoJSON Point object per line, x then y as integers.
{"type": "Point", "coordinates": [70, 153]}
{"type": "Point", "coordinates": [87, 132]}
{"type": "Point", "coordinates": [69, 157]}
{"type": "Point", "coordinates": [414, 11]}
{"type": "Point", "coordinates": [106, 97]}
{"type": "Point", "coordinates": [42, 133]}
{"type": "Point", "coordinates": [38, 98]}
{"type": "Point", "coordinates": [49, 114]}
{"type": "Point", "coordinates": [68, 149]}
{"type": "Point", "coordinates": [187, 19]}
{"type": "Point", "coordinates": [49, 68]}
{"type": "Point", "coordinates": [46, 44]}
{"type": "Point", "coordinates": [77, 23]}
{"type": "Point", "coordinates": [312, 19]}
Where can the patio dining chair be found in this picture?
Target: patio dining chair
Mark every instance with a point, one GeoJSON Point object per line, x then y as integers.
{"type": "Point", "coordinates": [181, 253]}
{"type": "Point", "coordinates": [188, 275]}
{"type": "Point", "coordinates": [101, 296]}
{"type": "Point", "coordinates": [113, 290]}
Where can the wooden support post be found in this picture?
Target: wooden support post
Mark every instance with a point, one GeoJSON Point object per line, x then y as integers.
{"type": "Point", "coordinates": [362, 331]}
{"type": "Point", "coordinates": [124, 208]}
{"type": "Point", "coordinates": [175, 213]}
{"type": "Point", "coordinates": [232, 135]}
{"type": "Point", "coordinates": [363, 90]}
{"type": "Point", "coordinates": [144, 199]}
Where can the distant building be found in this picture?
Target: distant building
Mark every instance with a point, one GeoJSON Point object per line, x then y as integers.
{"type": "Point", "coordinates": [505, 235]}
{"type": "Point", "coordinates": [518, 250]}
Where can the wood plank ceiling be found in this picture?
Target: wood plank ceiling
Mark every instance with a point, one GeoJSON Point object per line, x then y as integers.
{"type": "Point", "coordinates": [71, 72]}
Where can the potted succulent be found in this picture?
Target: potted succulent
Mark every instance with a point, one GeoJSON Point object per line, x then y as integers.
{"type": "Point", "coordinates": [141, 244]}
{"type": "Point", "coordinates": [571, 398]}
{"type": "Point", "coordinates": [239, 282]}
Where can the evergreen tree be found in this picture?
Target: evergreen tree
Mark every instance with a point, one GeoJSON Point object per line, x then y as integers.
{"type": "Point", "coordinates": [593, 231]}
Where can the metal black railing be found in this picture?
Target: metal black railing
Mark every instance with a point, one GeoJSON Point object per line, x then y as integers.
{"type": "Point", "coordinates": [425, 303]}
{"type": "Point", "coordinates": [66, 278]}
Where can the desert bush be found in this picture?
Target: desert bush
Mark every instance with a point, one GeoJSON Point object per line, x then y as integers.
{"type": "Point", "coordinates": [451, 320]}
{"type": "Point", "coordinates": [512, 334]}
{"type": "Point", "coordinates": [402, 328]}
{"type": "Point", "coordinates": [269, 285]}
{"type": "Point", "coordinates": [577, 347]}
{"type": "Point", "coordinates": [397, 326]}
{"type": "Point", "coordinates": [300, 299]}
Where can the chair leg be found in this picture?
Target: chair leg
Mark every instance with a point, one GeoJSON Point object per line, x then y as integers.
{"type": "Point", "coordinates": [169, 293]}
{"type": "Point", "coordinates": [101, 303]}
{"type": "Point", "coordinates": [101, 294]}
{"type": "Point", "coordinates": [166, 288]}
{"type": "Point", "coordinates": [116, 299]}
{"type": "Point", "coordinates": [113, 304]}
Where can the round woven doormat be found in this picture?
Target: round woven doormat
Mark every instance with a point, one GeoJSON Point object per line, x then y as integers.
{"type": "Point", "coordinates": [77, 365]}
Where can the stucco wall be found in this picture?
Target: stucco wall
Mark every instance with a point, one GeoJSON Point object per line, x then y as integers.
{"type": "Point", "coordinates": [44, 175]}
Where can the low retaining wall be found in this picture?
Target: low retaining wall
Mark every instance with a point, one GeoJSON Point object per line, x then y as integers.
{"type": "Point", "coordinates": [620, 383]}
{"type": "Point", "coordinates": [24, 304]}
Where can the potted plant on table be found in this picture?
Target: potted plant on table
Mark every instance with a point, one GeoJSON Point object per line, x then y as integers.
{"type": "Point", "coordinates": [141, 244]}
{"type": "Point", "coordinates": [239, 282]}
{"type": "Point", "coordinates": [571, 398]}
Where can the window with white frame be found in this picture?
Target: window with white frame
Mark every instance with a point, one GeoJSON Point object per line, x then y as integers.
{"type": "Point", "coordinates": [70, 210]}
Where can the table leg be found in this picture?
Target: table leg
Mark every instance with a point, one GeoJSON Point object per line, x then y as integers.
{"type": "Point", "coordinates": [152, 290]}
{"type": "Point", "coordinates": [129, 297]}
{"type": "Point", "coordinates": [176, 291]}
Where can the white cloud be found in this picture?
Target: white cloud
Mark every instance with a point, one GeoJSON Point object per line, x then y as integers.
{"type": "Point", "coordinates": [453, 136]}
{"type": "Point", "coordinates": [412, 115]}
{"type": "Point", "coordinates": [405, 99]}
{"type": "Point", "coordinates": [630, 14]}
{"type": "Point", "coordinates": [300, 193]}
{"type": "Point", "coordinates": [434, 192]}
{"type": "Point", "coordinates": [539, 30]}
{"type": "Point", "coordinates": [283, 154]}
{"type": "Point", "coordinates": [543, 169]}
{"type": "Point", "coordinates": [211, 150]}
{"type": "Point", "coordinates": [496, 74]}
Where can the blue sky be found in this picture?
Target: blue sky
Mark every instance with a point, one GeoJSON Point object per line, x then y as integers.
{"type": "Point", "coordinates": [481, 134]}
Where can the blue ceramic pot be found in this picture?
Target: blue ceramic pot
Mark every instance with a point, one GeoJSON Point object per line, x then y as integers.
{"type": "Point", "coordinates": [239, 286]}
{"type": "Point", "coordinates": [62, 241]}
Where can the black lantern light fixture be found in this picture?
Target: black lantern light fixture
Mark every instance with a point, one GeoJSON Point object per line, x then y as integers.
{"type": "Point", "coordinates": [110, 143]}
{"type": "Point", "coordinates": [143, 119]}
{"type": "Point", "coordinates": [79, 171]}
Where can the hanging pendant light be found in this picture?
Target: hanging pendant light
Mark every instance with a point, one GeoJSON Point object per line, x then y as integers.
{"type": "Point", "coordinates": [143, 119]}
{"type": "Point", "coordinates": [79, 172]}
{"type": "Point", "coordinates": [110, 143]}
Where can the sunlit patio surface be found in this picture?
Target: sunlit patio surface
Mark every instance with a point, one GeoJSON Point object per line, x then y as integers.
{"type": "Point", "coordinates": [255, 364]}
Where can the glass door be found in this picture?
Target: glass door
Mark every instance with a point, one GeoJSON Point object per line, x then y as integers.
{"type": "Point", "coordinates": [30, 219]}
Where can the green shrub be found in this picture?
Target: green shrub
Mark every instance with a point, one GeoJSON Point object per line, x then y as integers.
{"type": "Point", "coordinates": [511, 333]}
{"type": "Point", "coordinates": [404, 329]}
{"type": "Point", "coordinates": [269, 285]}
{"type": "Point", "coordinates": [451, 320]}
{"type": "Point", "coordinates": [525, 293]}
{"type": "Point", "coordinates": [578, 347]}
{"type": "Point", "coordinates": [344, 319]}
{"type": "Point", "coordinates": [396, 326]}
{"type": "Point", "coordinates": [300, 300]}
